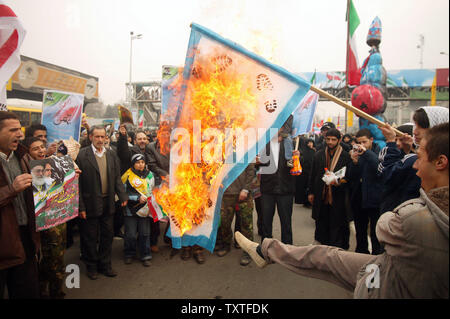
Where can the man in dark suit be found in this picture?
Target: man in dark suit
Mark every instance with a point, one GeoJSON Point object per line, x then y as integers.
{"type": "Point", "coordinates": [99, 183]}
{"type": "Point", "coordinates": [277, 189]}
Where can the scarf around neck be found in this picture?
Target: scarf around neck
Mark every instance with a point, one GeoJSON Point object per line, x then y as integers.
{"type": "Point", "coordinates": [327, 193]}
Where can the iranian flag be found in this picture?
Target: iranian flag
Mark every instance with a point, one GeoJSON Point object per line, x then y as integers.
{"type": "Point", "coordinates": [141, 118]}
{"type": "Point", "coordinates": [353, 74]}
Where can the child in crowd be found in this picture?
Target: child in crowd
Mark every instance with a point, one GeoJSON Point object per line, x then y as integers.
{"type": "Point", "coordinates": [139, 183]}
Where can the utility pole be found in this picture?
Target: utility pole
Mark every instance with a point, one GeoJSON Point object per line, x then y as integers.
{"type": "Point", "coordinates": [420, 46]}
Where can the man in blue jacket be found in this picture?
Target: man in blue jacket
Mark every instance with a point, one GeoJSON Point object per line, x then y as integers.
{"type": "Point", "coordinates": [367, 187]}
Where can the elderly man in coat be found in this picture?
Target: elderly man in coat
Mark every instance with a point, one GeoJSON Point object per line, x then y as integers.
{"type": "Point", "coordinates": [99, 183]}
{"type": "Point", "coordinates": [415, 238]}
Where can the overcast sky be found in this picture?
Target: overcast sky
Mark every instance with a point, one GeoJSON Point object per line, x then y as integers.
{"type": "Point", "coordinates": [93, 36]}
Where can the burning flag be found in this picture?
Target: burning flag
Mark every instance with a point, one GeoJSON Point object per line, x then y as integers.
{"type": "Point", "coordinates": [232, 102]}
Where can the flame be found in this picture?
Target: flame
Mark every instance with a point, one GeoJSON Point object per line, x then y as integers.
{"type": "Point", "coordinates": [219, 97]}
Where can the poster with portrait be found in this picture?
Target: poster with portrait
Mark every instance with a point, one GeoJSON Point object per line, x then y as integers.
{"type": "Point", "coordinates": [62, 115]}
{"type": "Point", "coordinates": [55, 191]}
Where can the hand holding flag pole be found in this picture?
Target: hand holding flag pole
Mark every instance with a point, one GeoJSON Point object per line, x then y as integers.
{"type": "Point", "coordinates": [353, 109]}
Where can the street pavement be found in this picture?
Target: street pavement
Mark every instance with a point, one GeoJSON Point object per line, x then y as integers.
{"type": "Point", "coordinates": [217, 278]}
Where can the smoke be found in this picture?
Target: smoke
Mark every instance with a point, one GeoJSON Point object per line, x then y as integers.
{"type": "Point", "coordinates": [246, 23]}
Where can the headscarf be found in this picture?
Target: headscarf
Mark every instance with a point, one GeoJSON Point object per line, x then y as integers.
{"type": "Point", "coordinates": [436, 114]}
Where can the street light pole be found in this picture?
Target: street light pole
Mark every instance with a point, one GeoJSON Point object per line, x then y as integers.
{"type": "Point", "coordinates": [131, 57]}
{"type": "Point", "coordinates": [130, 89]}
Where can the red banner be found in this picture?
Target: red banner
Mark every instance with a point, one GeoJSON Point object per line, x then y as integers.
{"type": "Point", "coordinates": [442, 77]}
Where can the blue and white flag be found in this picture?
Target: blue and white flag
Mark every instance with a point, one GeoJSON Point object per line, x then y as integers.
{"type": "Point", "coordinates": [232, 102]}
{"type": "Point", "coordinates": [304, 114]}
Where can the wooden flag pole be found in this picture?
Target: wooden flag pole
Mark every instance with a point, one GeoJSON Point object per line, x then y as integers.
{"type": "Point", "coordinates": [352, 108]}
{"type": "Point", "coordinates": [297, 139]}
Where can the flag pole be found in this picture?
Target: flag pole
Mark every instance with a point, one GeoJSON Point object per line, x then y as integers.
{"type": "Point", "coordinates": [349, 107]}
{"type": "Point", "coordinates": [346, 61]}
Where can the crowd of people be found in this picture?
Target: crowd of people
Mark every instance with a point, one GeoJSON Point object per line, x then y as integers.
{"type": "Point", "coordinates": [344, 178]}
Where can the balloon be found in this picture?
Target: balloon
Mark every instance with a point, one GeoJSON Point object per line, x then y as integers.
{"type": "Point", "coordinates": [367, 98]}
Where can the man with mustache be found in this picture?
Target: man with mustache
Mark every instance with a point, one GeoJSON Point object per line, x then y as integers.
{"type": "Point", "coordinates": [99, 183]}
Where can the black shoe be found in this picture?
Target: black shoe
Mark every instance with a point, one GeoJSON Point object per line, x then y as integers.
{"type": "Point", "coordinates": [198, 255]}
{"type": "Point", "coordinates": [108, 273]}
{"type": "Point", "coordinates": [173, 252]}
{"type": "Point", "coordinates": [186, 253]}
{"type": "Point", "coordinates": [92, 275]}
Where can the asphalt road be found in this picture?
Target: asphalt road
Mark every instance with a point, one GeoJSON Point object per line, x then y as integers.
{"type": "Point", "coordinates": [219, 277]}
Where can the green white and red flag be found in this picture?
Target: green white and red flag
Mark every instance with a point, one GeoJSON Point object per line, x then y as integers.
{"type": "Point", "coordinates": [353, 74]}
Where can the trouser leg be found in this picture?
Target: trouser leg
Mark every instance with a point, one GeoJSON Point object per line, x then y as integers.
{"type": "Point", "coordinates": [284, 206]}
{"type": "Point", "coordinates": [51, 267]}
{"type": "Point", "coordinates": [106, 239]}
{"type": "Point", "coordinates": [144, 234]}
{"type": "Point", "coordinates": [374, 215]}
{"type": "Point", "coordinates": [322, 231]}
{"type": "Point", "coordinates": [268, 208]}
{"type": "Point", "coordinates": [361, 222]}
{"type": "Point", "coordinates": [88, 242]}
{"type": "Point", "coordinates": [318, 261]}
{"type": "Point", "coordinates": [339, 229]}
{"type": "Point", "coordinates": [246, 218]}
{"type": "Point", "coordinates": [154, 232]}
{"type": "Point", "coordinates": [129, 242]}
{"type": "Point", "coordinates": [259, 220]}
{"type": "Point", "coordinates": [118, 218]}
{"type": "Point", "coordinates": [22, 281]}
{"type": "Point", "coordinates": [227, 212]}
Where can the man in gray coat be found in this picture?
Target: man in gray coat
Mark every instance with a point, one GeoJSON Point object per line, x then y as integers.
{"type": "Point", "coordinates": [415, 263]}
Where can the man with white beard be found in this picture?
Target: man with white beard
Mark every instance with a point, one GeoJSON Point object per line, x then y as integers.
{"type": "Point", "coordinates": [41, 179]}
